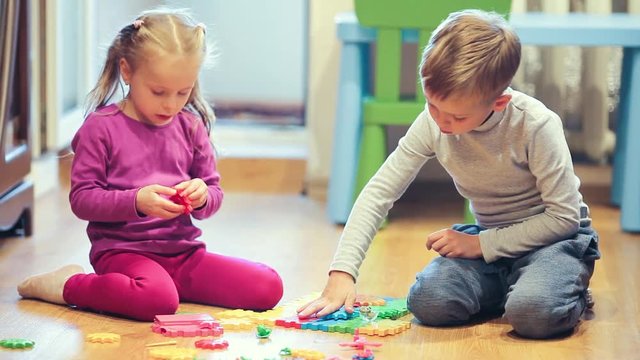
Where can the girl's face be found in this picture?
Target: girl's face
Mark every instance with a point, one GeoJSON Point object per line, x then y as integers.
{"type": "Point", "coordinates": [159, 87]}
{"type": "Point", "coordinates": [457, 115]}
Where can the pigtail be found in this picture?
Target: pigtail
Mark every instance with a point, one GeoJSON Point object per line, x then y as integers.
{"type": "Point", "coordinates": [108, 81]}
{"type": "Point", "coordinates": [198, 105]}
{"type": "Point", "coordinates": [197, 102]}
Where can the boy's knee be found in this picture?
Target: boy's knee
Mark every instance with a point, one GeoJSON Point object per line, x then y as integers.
{"type": "Point", "coordinates": [538, 317]}
{"type": "Point", "coordinates": [433, 306]}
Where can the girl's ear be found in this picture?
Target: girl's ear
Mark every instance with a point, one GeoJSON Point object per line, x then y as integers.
{"type": "Point", "coordinates": [125, 70]}
{"type": "Point", "coordinates": [501, 102]}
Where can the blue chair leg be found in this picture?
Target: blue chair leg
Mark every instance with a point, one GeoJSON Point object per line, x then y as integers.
{"type": "Point", "coordinates": [622, 128]}
{"type": "Point", "coordinates": [630, 204]}
{"type": "Point", "coordinates": [346, 141]}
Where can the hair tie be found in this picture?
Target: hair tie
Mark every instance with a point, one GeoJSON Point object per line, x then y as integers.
{"type": "Point", "coordinates": [138, 23]}
{"type": "Point", "coordinates": [202, 26]}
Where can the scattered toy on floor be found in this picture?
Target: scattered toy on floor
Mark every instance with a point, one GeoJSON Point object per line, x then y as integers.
{"type": "Point", "coordinates": [186, 325]}
{"type": "Point", "coordinates": [17, 343]}
{"type": "Point", "coordinates": [263, 332]}
{"type": "Point", "coordinates": [360, 343]}
{"type": "Point", "coordinates": [163, 343]}
{"type": "Point", "coordinates": [212, 344]}
{"type": "Point", "coordinates": [103, 338]}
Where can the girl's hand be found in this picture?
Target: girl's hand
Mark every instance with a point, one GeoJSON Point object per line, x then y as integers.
{"type": "Point", "coordinates": [340, 290]}
{"type": "Point", "coordinates": [451, 243]}
{"type": "Point", "coordinates": [151, 202]}
{"type": "Point", "coordinates": [195, 190]}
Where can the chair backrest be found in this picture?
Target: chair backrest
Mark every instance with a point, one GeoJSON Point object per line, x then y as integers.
{"type": "Point", "coordinates": [390, 17]}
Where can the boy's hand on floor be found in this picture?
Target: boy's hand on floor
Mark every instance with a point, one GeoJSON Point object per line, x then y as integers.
{"type": "Point", "coordinates": [455, 244]}
{"type": "Point", "coordinates": [340, 290]}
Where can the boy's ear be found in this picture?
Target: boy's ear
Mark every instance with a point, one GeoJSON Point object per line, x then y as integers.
{"type": "Point", "coordinates": [501, 102]}
{"type": "Point", "coordinates": [125, 70]}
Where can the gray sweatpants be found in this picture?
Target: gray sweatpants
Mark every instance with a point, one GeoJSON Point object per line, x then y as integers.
{"type": "Point", "coordinates": [542, 293]}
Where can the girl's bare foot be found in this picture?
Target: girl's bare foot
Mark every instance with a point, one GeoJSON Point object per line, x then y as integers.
{"type": "Point", "coordinates": [48, 286]}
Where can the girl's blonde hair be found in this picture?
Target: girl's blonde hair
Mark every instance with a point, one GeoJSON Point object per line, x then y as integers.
{"type": "Point", "coordinates": [471, 53]}
{"type": "Point", "coordinates": [154, 32]}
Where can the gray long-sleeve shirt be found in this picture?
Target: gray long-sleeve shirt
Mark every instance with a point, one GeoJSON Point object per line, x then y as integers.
{"type": "Point", "coordinates": [515, 169]}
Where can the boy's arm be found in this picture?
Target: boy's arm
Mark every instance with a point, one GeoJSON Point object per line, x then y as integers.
{"type": "Point", "coordinates": [378, 196]}
{"type": "Point", "coordinates": [550, 162]}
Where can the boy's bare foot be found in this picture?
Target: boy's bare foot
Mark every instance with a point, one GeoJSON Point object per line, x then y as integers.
{"type": "Point", "coordinates": [48, 286]}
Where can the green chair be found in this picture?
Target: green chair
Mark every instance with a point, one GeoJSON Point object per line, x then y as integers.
{"type": "Point", "coordinates": [386, 107]}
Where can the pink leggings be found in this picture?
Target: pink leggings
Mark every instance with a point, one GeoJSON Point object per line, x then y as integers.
{"type": "Point", "coordinates": [140, 286]}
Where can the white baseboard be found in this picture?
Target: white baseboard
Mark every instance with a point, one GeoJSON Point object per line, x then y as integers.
{"type": "Point", "coordinates": [44, 174]}
{"type": "Point", "coordinates": [260, 141]}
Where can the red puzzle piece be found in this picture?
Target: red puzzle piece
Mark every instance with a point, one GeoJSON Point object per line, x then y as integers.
{"type": "Point", "coordinates": [182, 200]}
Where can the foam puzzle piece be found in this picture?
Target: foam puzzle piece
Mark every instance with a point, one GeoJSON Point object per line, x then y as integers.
{"type": "Point", "coordinates": [294, 322]}
{"type": "Point", "coordinates": [257, 318]}
{"type": "Point", "coordinates": [269, 317]}
{"type": "Point", "coordinates": [16, 343]}
{"type": "Point", "coordinates": [307, 354]}
{"type": "Point", "coordinates": [184, 201]}
{"type": "Point", "coordinates": [103, 338]}
{"type": "Point", "coordinates": [343, 322]}
{"type": "Point", "coordinates": [186, 325]}
{"type": "Point", "coordinates": [393, 309]}
{"type": "Point", "coordinates": [236, 324]}
{"type": "Point", "coordinates": [340, 314]}
{"type": "Point", "coordinates": [177, 353]}
{"type": "Point", "coordinates": [212, 344]}
{"type": "Point", "coordinates": [385, 327]}
{"type": "Point", "coordinates": [263, 332]}
{"type": "Point", "coordinates": [368, 300]}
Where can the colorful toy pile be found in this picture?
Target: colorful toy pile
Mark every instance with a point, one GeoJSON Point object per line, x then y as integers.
{"type": "Point", "coordinates": [372, 316]}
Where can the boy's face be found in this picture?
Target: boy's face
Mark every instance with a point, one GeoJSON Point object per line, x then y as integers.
{"type": "Point", "coordinates": [457, 115]}
{"type": "Point", "coordinates": [159, 88]}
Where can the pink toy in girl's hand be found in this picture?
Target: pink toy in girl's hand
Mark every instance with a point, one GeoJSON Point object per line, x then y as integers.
{"type": "Point", "coordinates": [182, 200]}
{"type": "Point", "coordinates": [186, 325]}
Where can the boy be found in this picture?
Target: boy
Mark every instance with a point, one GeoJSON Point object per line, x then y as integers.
{"type": "Point", "coordinates": [532, 252]}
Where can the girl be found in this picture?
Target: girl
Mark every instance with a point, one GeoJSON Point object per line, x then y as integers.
{"type": "Point", "coordinates": [142, 168]}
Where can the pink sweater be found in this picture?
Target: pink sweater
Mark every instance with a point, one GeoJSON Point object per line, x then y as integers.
{"type": "Point", "coordinates": [115, 156]}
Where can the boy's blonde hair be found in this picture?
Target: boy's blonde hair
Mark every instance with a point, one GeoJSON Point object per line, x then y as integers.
{"type": "Point", "coordinates": [471, 53]}
{"type": "Point", "coordinates": [154, 33]}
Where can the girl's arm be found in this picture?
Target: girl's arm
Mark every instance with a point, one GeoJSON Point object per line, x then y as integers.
{"type": "Point", "coordinates": [204, 167]}
{"type": "Point", "coordinates": [89, 197]}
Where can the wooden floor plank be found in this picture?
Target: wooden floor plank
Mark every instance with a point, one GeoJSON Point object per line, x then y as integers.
{"type": "Point", "coordinates": [292, 233]}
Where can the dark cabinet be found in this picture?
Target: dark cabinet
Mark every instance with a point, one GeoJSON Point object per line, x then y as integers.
{"type": "Point", "coordinates": [16, 191]}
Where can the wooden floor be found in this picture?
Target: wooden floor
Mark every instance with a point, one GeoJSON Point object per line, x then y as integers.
{"type": "Point", "coordinates": [291, 233]}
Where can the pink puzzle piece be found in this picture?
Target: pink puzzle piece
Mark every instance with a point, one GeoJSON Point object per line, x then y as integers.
{"type": "Point", "coordinates": [186, 325]}
{"type": "Point", "coordinates": [212, 344]}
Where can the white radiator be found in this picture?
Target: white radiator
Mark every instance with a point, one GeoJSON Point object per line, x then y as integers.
{"type": "Point", "coordinates": [580, 84]}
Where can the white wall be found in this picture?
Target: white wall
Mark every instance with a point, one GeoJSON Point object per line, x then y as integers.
{"type": "Point", "coordinates": [110, 17]}
{"type": "Point", "coordinates": [261, 54]}
{"type": "Point", "coordinates": [261, 47]}
{"type": "Point", "coordinates": [324, 55]}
